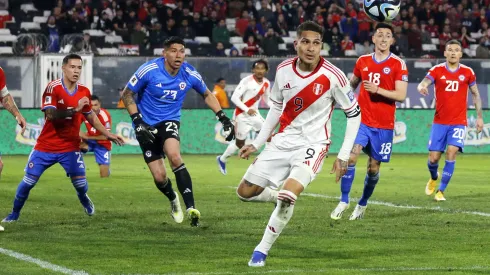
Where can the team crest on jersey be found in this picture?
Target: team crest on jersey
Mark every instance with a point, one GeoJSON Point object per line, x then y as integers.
{"type": "Point", "coordinates": [31, 164]}
{"type": "Point", "coordinates": [386, 70]}
{"type": "Point", "coordinates": [461, 77]}
{"type": "Point", "coordinates": [317, 89]}
{"type": "Point", "coordinates": [182, 85]}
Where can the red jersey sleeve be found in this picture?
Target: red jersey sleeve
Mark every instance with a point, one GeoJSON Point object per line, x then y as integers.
{"type": "Point", "coordinates": [3, 81]}
{"type": "Point", "coordinates": [87, 109]}
{"type": "Point", "coordinates": [432, 74]}
{"type": "Point", "coordinates": [50, 98]}
{"type": "Point", "coordinates": [402, 72]}
{"type": "Point", "coordinates": [357, 72]}
{"type": "Point", "coordinates": [472, 79]}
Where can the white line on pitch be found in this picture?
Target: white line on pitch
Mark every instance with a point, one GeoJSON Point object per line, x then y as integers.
{"type": "Point", "coordinates": [389, 204]}
{"type": "Point", "coordinates": [41, 263]}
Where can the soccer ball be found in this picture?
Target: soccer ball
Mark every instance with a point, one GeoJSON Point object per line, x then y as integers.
{"type": "Point", "coordinates": [382, 10]}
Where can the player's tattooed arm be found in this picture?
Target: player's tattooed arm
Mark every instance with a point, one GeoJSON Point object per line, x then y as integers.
{"type": "Point", "coordinates": [211, 101]}
{"type": "Point", "coordinates": [128, 99]}
{"type": "Point", "coordinates": [9, 105]}
{"type": "Point", "coordinates": [354, 82]}
{"type": "Point", "coordinates": [477, 100]}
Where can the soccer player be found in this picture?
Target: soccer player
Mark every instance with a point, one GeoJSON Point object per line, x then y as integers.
{"type": "Point", "coordinates": [246, 98]}
{"type": "Point", "coordinates": [303, 97]}
{"type": "Point", "coordinates": [384, 78]}
{"type": "Point", "coordinates": [451, 82]}
{"type": "Point", "coordinates": [63, 102]}
{"type": "Point", "coordinates": [9, 104]}
{"type": "Point", "coordinates": [161, 85]}
{"type": "Point", "coordinates": [95, 141]}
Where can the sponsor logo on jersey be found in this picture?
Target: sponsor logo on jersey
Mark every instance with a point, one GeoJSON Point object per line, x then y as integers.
{"type": "Point", "coordinates": [386, 70]}
{"type": "Point", "coordinates": [159, 85]}
{"type": "Point", "coordinates": [61, 101]}
{"type": "Point", "coordinates": [365, 69]}
{"type": "Point", "coordinates": [287, 86]}
{"type": "Point", "coordinates": [443, 77]}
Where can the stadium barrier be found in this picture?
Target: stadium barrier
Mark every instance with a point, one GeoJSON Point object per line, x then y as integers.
{"type": "Point", "coordinates": [202, 134]}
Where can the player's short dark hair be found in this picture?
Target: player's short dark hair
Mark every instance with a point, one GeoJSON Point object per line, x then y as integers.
{"type": "Point", "coordinates": [453, 42]}
{"type": "Point", "coordinates": [261, 61]}
{"type": "Point", "coordinates": [384, 26]}
{"type": "Point", "coordinates": [219, 79]}
{"type": "Point", "coordinates": [95, 97]}
{"type": "Point", "coordinates": [173, 40]}
{"type": "Point", "coordinates": [310, 26]}
{"type": "Point", "coordinates": [71, 56]}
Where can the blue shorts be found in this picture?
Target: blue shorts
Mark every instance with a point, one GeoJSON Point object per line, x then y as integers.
{"type": "Point", "coordinates": [442, 135]}
{"type": "Point", "coordinates": [102, 155]}
{"type": "Point", "coordinates": [375, 142]}
{"type": "Point", "coordinates": [39, 161]}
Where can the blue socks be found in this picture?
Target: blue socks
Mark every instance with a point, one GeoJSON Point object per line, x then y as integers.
{"type": "Point", "coordinates": [433, 169]}
{"type": "Point", "coordinates": [369, 184]}
{"type": "Point", "coordinates": [346, 183]}
{"type": "Point", "coordinates": [25, 186]}
{"type": "Point", "coordinates": [447, 173]}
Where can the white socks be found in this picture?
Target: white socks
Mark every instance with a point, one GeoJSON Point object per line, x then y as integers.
{"type": "Point", "coordinates": [230, 150]}
{"type": "Point", "coordinates": [279, 219]}
{"type": "Point", "coordinates": [268, 195]}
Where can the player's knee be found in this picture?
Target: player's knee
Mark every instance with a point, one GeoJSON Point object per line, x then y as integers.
{"type": "Point", "coordinates": [239, 143]}
{"type": "Point", "coordinates": [80, 183]}
{"type": "Point", "coordinates": [30, 179]}
{"type": "Point", "coordinates": [302, 176]}
{"type": "Point", "coordinates": [104, 171]}
{"type": "Point", "coordinates": [160, 177]}
{"type": "Point", "coordinates": [246, 190]}
{"type": "Point", "coordinates": [175, 159]}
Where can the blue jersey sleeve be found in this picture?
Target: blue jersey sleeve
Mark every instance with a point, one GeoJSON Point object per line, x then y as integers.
{"type": "Point", "coordinates": [196, 80]}
{"type": "Point", "coordinates": [139, 80]}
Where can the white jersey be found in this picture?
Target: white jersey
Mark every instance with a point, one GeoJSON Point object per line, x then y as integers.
{"type": "Point", "coordinates": [307, 101]}
{"type": "Point", "coordinates": [248, 93]}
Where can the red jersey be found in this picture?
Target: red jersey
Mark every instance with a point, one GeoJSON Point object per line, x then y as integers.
{"type": "Point", "coordinates": [3, 82]}
{"type": "Point", "coordinates": [451, 93]}
{"type": "Point", "coordinates": [106, 120]}
{"type": "Point", "coordinates": [62, 135]}
{"type": "Point", "coordinates": [379, 111]}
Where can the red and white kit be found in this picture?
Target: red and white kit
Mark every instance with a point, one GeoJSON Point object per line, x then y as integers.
{"type": "Point", "coordinates": [247, 96]}
{"type": "Point", "coordinates": [303, 103]}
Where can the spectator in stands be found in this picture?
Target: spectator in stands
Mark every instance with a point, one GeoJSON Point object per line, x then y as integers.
{"type": "Point", "coordinates": [119, 24]}
{"type": "Point", "coordinates": [186, 15]}
{"type": "Point", "coordinates": [211, 23]}
{"type": "Point", "coordinates": [432, 28]}
{"type": "Point", "coordinates": [235, 8]}
{"type": "Point", "coordinates": [465, 38]}
{"type": "Point", "coordinates": [131, 20]}
{"type": "Point", "coordinates": [75, 24]}
{"type": "Point", "coordinates": [221, 33]}
{"type": "Point", "coordinates": [199, 5]}
{"type": "Point", "coordinates": [335, 48]}
{"type": "Point", "coordinates": [349, 26]}
{"type": "Point", "coordinates": [485, 31]}
{"type": "Point", "coordinates": [52, 32]}
{"type": "Point", "coordinates": [144, 11]}
{"type": "Point", "coordinates": [242, 23]}
{"type": "Point", "coordinates": [220, 50]}
{"type": "Point", "coordinates": [198, 25]}
{"type": "Point", "coordinates": [426, 13]}
{"type": "Point", "coordinates": [415, 40]}
{"type": "Point", "coordinates": [467, 21]}
{"type": "Point", "coordinates": [93, 19]}
{"type": "Point", "coordinates": [425, 35]}
{"type": "Point", "coordinates": [86, 45]}
{"type": "Point", "coordinates": [265, 11]}
{"type": "Point", "coordinates": [440, 16]}
{"type": "Point", "coordinates": [346, 44]}
{"type": "Point", "coordinates": [270, 43]}
{"type": "Point", "coordinates": [364, 24]}
{"type": "Point", "coordinates": [261, 27]}
{"type": "Point", "coordinates": [482, 51]}
{"type": "Point", "coordinates": [252, 11]}
{"type": "Point", "coordinates": [365, 48]}
{"type": "Point", "coordinates": [185, 31]}
{"type": "Point", "coordinates": [82, 12]}
{"type": "Point", "coordinates": [281, 26]}
{"type": "Point", "coordinates": [157, 36]}
{"type": "Point", "coordinates": [220, 93]}
{"type": "Point", "coordinates": [138, 36]}
{"type": "Point", "coordinates": [299, 17]}
{"type": "Point", "coordinates": [220, 7]}
{"type": "Point", "coordinates": [105, 24]}
{"type": "Point", "coordinates": [152, 18]}
{"type": "Point", "coordinates": [170, 28]}
{"type": "Point", "coordinates": [251, 30]}
{"type": "Point", "coordinates": [252, 48]}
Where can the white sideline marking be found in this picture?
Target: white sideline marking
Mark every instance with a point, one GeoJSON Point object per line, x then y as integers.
{"type": "Point", "coordinates": [389, 204]}
{"type": "Point", "coordinates": [41, 263]}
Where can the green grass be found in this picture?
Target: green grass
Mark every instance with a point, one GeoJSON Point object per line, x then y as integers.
{"type": "Point", "coordinates": [132, 231]}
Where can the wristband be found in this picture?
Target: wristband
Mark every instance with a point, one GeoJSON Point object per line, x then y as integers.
{"type": "Point", "coordinates": [137, 118]}
{"type": "Point", "coordinates": [220, 115]}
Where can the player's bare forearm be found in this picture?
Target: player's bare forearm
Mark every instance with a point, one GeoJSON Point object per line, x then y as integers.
{"type": "Point", "coordinates": [211, 101]}
{"type": "Point", "coordinates": [424, 83]}
{"type": "Point", "coordinates": [354, 82]}
{"type": "Point", "coordinates": [477, 100]}
{"type": "Point", "coordinates": [54, 114]}
{"type": "Point", "coordinates": [100, 137]}
{"type": "Point", "coordinates": [9, 105]}
{"type": "Point", "coordinates": [399, 94]}
{"type": "Point", "coordinates": [95, 122]}
{"type": "Point", "coordinates": [128, 99]}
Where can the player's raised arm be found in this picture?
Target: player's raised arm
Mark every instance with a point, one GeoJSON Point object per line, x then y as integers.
{"type": "Point", "coordinates": [478, 106]}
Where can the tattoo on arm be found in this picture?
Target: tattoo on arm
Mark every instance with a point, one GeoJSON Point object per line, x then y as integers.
{"type": "Point", "coordinates": [127, 97]}
{"type": "Point", "coordinates": [9, 104]}
{"type": "Point", "coordinates": [476, 100]}
{"type": "Point", "coordinates": [52, 113]}
{"type": "Point", "coordinates": [356, 150]}
{"type": "Point", "coordinates": [354, 82]}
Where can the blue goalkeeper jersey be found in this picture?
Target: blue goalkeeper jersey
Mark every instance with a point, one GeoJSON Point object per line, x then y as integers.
{"type": "Point", "coordinates": [160, 95]}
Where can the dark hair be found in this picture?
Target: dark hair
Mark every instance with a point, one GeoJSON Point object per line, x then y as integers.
{"type": "Point", "coordinates": [452, 42]}
{"type": "Point", "coordinates": [310, 26]}
{"type": "Point", "coordinates": [71, 56]}
{"type": "Point", "coordinates": [261, 61]}
{"type": "Point", "coordinates": [219, 79]}
{"type": "Point", "coordinates": [173, 40]}
{"type": "Point", "coordinates": [94, 97]}
{"type": "Point", "coordinates": [384, 26]}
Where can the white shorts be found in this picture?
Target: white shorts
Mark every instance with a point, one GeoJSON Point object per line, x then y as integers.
{"type": "Point", "coordinates": [273, 166]}
{"type": "Point", "coordinates": [245, 123]}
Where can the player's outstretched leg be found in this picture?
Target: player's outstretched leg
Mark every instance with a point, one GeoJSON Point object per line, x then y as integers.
{"type": "Point", "coordinates": [248, 192]}
{"type": "Point", "coordinates": [433, 166]}
{"type": "Point", "coordinates": [25, 186]}
{"type": "Point", "coordinates": [81, 185]}
{"type": "Point", "coordinates": [447, 171]}
{"type": "Point", "coordinates": [184, 183]}
{"type": "Point", "coordinates": [222, 159]}
{"type": "Point", "coordinates": [370, 181]}
{"type": "Point", "coordinates": [166, 188]}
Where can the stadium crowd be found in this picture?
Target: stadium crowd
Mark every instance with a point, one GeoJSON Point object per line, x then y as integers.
{"type": "Point", "coordinates": [248, 27]}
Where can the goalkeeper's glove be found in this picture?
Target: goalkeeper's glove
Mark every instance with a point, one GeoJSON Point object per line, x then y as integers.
{"type": "Point", "coordinates": [145, 134]}
{"type": "Point", "coordinates": [229, 129]}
